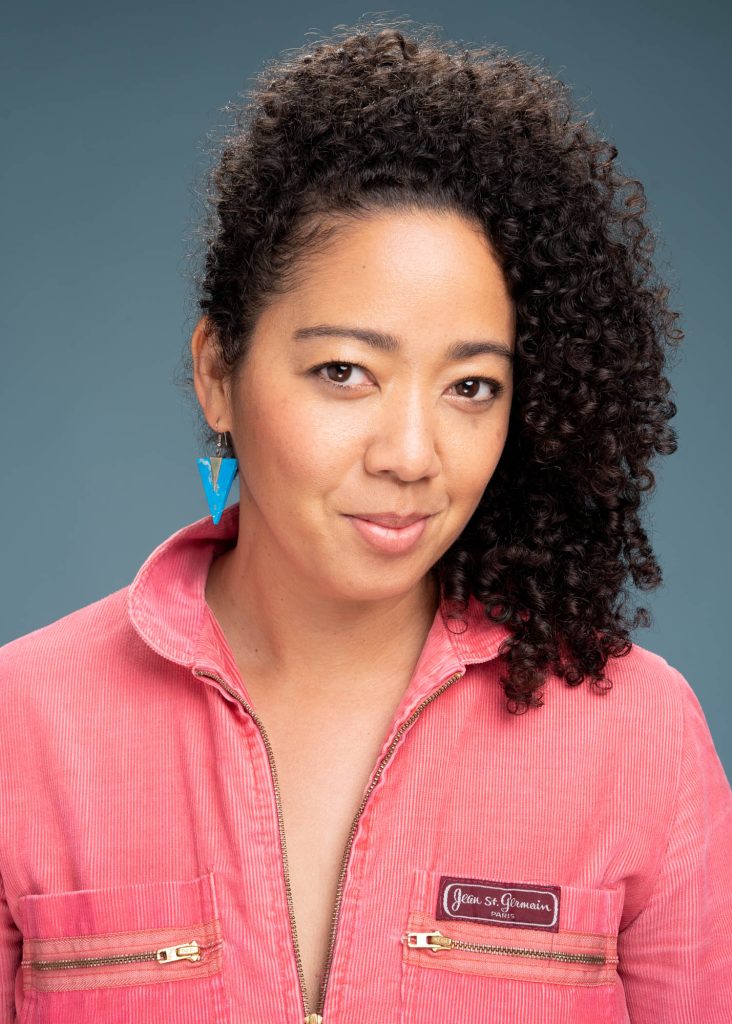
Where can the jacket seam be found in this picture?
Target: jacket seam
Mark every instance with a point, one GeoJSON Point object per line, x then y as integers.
{"type": "Point", "coordinates": [673, 817]}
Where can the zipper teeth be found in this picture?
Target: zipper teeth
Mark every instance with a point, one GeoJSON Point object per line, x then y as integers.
{"type": "Point", "coordinates": [377, 775]}
{"type": "Point", "coordinates": [571, 958]}
{"type": "Point", "coordinates": [440, 941]}
{"type": "Point", "coordinates": [100, 961]}
{"type": "Point", "coordinates": [93, 961]}
{"type": "Point", "coordinates": [400, 732]}
{"type": "Point", "coordinates": [270, 754]}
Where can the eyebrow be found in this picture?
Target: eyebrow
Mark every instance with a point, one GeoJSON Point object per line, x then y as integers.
{"type": "Point", "coordinates": [388, 343]}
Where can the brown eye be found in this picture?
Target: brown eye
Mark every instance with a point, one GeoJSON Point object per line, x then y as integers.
{"type": "Point", "coordinates": [471, 387]}
{"type": "Point", "coordinates": [338, 372]}
{"type": "Point", "coordinates": [339, 375]}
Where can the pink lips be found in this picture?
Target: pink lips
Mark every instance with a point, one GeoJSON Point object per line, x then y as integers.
{"type": "Point", "coordinates": [390, 519]}
{"type": "Point", "coordinates": [394, 540]}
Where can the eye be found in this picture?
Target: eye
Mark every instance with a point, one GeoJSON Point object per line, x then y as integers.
{"type": "Point", "coordinates": [337, 373]}
{"type": "Point", "coordinates": [471, 386]}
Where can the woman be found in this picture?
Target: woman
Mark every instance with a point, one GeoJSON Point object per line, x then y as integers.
{"type": "Point", "coordinates": [374, 743]}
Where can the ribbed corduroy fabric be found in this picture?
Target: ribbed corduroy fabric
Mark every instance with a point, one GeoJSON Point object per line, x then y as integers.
{"type": "Point", "coordinates": [579, 854]}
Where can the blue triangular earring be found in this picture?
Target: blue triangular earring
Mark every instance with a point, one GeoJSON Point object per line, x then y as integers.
{"type": "Point", "coordinates": [217, 473]}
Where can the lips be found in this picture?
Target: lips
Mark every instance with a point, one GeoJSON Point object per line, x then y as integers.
{"type": "Point", "coordinates": [391, 520]}
{"type": "Point", "coordinates": [388, 539]}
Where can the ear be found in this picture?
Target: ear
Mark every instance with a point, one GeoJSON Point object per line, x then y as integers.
{"type": "Point", "coordinates": [208, 377]}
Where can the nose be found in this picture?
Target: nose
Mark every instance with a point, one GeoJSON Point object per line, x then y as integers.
{"type": "Point", "coordinates": [404, 441]}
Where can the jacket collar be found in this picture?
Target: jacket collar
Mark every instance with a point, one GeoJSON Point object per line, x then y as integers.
{"type": "Point", "coordinates": [167, 606]}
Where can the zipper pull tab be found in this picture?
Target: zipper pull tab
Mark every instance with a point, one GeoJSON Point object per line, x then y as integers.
{"type": "Point", "coordinates": [313, 1018]}
{"type": "Point", "coordinates": [184, 952]}
{"type": "Point", "coordinates": [427, 940]}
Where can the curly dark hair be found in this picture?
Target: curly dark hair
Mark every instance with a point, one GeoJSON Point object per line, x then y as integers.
{"type": "Point", "coordinates": [371, 118]}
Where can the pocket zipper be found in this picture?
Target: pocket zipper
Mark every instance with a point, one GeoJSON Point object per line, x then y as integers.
{"type": "Point", "coordinates": [436, 941]}
{"type": "Point", "coordinates": [166, 955]}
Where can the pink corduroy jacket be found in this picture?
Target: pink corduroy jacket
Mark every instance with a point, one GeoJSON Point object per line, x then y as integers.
{"type": "Point", "coordinates": [572, 864]}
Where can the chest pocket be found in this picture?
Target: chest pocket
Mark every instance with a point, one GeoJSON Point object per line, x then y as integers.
{"type": "Point", "coordinates": [475, 971]}
{"type": "Point", "coordinates": [145, 953]}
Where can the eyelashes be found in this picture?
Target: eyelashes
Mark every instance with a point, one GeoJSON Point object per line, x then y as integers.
{"type": "Point", "coordinates": [496, 386]}
{"type": "Point", "coordinates": [318, 372]}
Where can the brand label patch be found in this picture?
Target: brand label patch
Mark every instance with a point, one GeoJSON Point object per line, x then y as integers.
{"type": "Point", "coordinates": [503, 903]}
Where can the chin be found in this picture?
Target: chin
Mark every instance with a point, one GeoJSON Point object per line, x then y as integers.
{"type": "Point", "coordinates": [385, 585]}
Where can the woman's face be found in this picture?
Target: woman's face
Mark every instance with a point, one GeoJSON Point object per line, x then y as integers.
{"type": "Point", "coordinates": [382, 385]}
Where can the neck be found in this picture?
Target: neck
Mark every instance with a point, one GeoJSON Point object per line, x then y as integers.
{"type": "Point", "coordinates": [300, 640]}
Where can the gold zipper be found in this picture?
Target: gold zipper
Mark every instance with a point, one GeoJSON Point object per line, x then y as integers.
{"type": "Point", "coordinates": [437, 941]}
{"type": "Point", "coordinates": [309, 1016]}
{"type": "Point", "coordinates": [185, 951]}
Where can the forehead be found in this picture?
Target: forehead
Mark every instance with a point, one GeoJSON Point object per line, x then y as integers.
{"type": "Point", "coordinates": [403, 276]}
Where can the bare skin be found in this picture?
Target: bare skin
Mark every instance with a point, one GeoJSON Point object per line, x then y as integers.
{"type": "Point", "coordinates": [326, 629]}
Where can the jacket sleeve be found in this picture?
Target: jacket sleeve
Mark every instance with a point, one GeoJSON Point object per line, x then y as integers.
{"type": "Point", "coordinates": [676, 954]}
{"type": "Point", "coordinates": [10, 953]}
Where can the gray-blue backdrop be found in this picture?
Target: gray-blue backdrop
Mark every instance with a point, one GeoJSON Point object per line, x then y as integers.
{"type": "Point", "coordinates": [106, 109]}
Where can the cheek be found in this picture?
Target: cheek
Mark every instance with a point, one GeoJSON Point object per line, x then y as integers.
{"type": "Point", "coordinates": [472, 463]}
{"type": "Point", "coordinates": [289, 446]}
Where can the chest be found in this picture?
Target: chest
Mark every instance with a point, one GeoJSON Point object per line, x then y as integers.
{"type": "Point", "coordinates": [460, 796]}
{"type": "Point", "coordinates": [324, 761]}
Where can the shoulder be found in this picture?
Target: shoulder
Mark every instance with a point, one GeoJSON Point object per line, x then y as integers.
{"type": "Point", "coordinates": [643, 681]}
{"type": "Point", "coordinates": [635, 685]}
{"type": "Point", "coordinates": [634, 717]}
{"type": "Point", "coordinates": [638, 715]}
{"type": "Point", "coordinates": [84, 637]}
{"type": "Point", "coordinates": [639, 680]}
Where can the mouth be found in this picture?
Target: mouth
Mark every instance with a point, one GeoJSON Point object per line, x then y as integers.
{"type": "Point", "coordinates": [390, 539]}
{"type": "Point", "coordinates": [392, 520]}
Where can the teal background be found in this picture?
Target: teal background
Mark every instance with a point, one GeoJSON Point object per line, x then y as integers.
{"type": "Point", "coordinates": [105, 111]}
